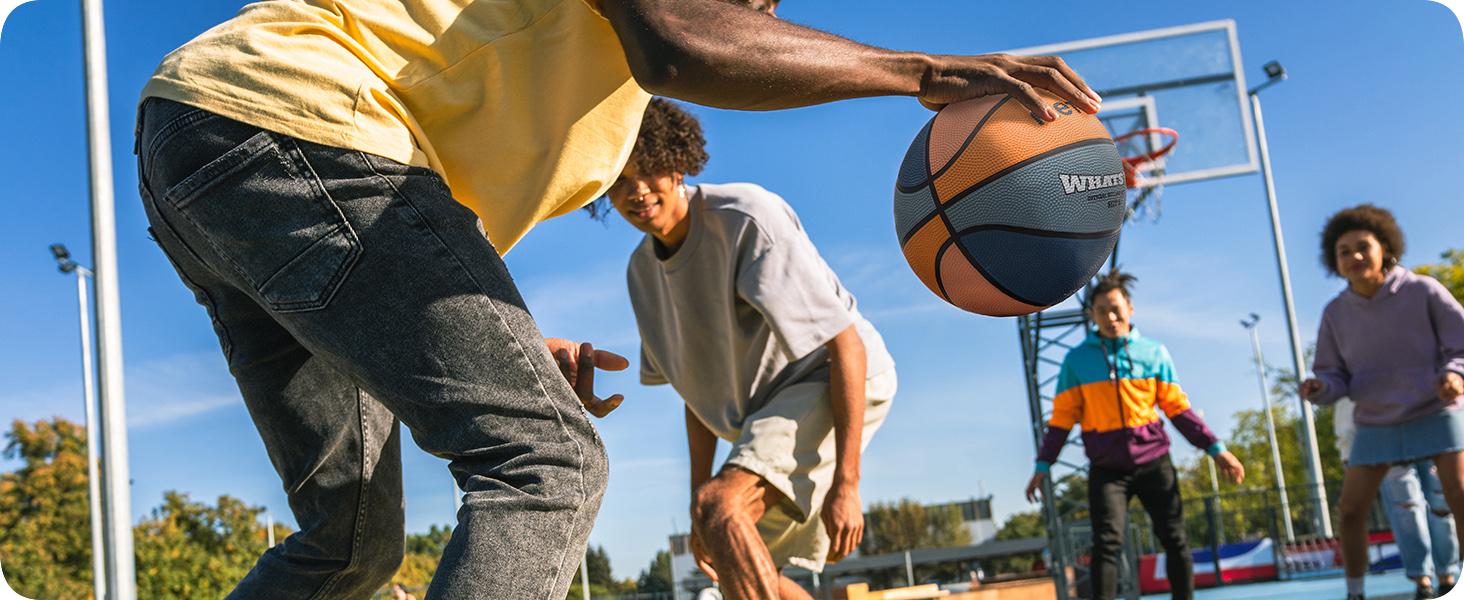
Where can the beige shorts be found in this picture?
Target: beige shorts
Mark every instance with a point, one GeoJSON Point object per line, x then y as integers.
{"type": "Point", "coordinates": [790, 444]}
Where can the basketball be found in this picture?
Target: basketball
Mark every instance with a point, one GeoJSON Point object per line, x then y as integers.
{"type": "Point", "coordinates": [1002, 214]}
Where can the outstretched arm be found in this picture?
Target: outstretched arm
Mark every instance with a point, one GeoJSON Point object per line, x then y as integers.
{"type": "Point", "coordinates": [727, 56]}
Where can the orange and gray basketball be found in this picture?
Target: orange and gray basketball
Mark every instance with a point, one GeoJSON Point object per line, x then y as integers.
{"type": "Point", "coordinates": [1002, 214]}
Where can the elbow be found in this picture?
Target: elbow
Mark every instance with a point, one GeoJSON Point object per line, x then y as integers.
{"type": "Point", "coordinates": [655, 41]}
{"type": "Point", "coordinates": [660, 75]}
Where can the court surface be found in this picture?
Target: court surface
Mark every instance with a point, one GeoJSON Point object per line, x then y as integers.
{"type": "Point", "coordinates": [1387, 586]}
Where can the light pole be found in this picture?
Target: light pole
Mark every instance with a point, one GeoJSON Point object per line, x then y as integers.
{"type": "Point", "coordinates": [117, 494]}
{"type": "Point", "coordinates": [1275, 73]}
{"type": "Point", "coordinates": [93, 482]}
{"type": "Point", "coordinates": [1250, 324]}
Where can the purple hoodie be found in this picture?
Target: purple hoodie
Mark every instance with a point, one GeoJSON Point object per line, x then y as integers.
{"type": "Point", "coordinates": [1387, 351]}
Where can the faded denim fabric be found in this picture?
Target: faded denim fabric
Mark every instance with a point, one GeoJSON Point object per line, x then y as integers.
{"type": "Point", "coordinates": [349, 293]}
{"type": "Point", "coordinates": [1421, 522]}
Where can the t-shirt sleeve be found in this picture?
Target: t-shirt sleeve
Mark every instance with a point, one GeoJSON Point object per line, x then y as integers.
{"type": "Point", "coordinates": [595, 6]}
{"type": "Point", "coordinates": [649, 374]}
{"type": "Point", "coordinates": [783, 277]}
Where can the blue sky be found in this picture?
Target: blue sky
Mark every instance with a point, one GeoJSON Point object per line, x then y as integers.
{"type": "Point", "coordinates": [1370, 114]}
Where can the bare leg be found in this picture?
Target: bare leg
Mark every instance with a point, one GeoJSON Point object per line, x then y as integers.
{"type": "Point", "coordinates": [1359, 487]}
{"type": "Point", "coordinates": [789, 590]}
{"type": "Point", "coordinates": [1451, 477]}
{"type": "Point", "coordinates": [726, 510]}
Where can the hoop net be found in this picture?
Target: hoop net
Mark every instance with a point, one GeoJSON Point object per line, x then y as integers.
{"type": "Point", "coordinates": [1144, 153]}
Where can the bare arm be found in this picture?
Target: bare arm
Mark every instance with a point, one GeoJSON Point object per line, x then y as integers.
{"type": "Point", "coordinates": [843, 514]}
{"type": "Point", "coordinates": [847, 366]}
{"type": "Point", "coordinates": [726, 56]}
{"type": "Point", "coordinates": [703, 445]}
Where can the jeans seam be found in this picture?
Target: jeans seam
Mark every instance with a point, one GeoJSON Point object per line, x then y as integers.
{"type": "Point", "coordinates": [226, 339]}
{"type": "Point", "coordinates": [173, 128]}
{"type": "Point", "coordinates": [538, 377]}
{"type": "Point", "coordinates": [345, 229]}
{"type": "Point", "coordinates": [361, 501]}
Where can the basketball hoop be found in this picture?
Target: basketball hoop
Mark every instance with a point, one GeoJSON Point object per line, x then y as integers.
{"type": "Point", "coordinates": [1144, 152]}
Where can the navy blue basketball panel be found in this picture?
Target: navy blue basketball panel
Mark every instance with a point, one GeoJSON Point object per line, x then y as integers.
{"type": "Point", "coordinates": [915, 170]}
{"type": "Point", "coordinates": [1038, 269]}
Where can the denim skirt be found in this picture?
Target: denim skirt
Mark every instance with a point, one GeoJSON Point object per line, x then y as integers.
{"type": "Point", "coordinates": [1408, 442]}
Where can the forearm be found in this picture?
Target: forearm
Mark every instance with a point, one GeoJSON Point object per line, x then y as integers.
{"type": "Point", "coordinates": [847, 372]}
{"type": "Point", "coordinates": [1052, 442]}
{"type": "Point", "coordinates": [1196, 431]}
{"type": "Point", "coordinates": [703, 446]}
{"type": "Point", "coordinates": [717, 54]}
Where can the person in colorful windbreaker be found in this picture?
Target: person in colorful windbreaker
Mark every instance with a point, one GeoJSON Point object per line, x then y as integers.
{"type": "Point", "coordinates": [1112, 385]}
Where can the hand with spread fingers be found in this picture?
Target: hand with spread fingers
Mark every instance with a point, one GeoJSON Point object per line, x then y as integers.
{"type": "Point", "coordinates": [957, 78]}
{"type": "Point", "coordinates": [577, 362]}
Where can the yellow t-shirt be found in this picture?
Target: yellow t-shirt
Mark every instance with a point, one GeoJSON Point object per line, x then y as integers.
{"type": "Point", "coordinates": [526, 107]}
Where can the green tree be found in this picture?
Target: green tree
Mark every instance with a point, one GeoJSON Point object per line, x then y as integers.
{"type": "Point", "coordinates": [906, 525]}
{"type": "Point", "coordinates": [1019, 526]}
{"type": "Point", "coordinates": [1244, 514]}
{"type": "Point", "coordinates": [602, 583]}
{"type": "Point", "coordinates": [1450, 272]}
{"type": "Point", "coordinates": [430, 543]}
{"type": "Point", "coordinates": [656, 577]}
{"type": "Point", "coordinates": [45, 522]}
{"type": "Point", "coordinates": [191, 550]}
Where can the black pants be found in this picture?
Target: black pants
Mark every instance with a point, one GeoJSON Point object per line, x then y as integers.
{"type": "Point", "coordinates": [1109, 491]}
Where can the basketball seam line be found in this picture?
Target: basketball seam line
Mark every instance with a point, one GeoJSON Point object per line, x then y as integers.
{"type": "Point", "coordinates": [971, 260]}
{"type": "Point", "coordinates": [936, 175]}
{"type": "Point", "coordinates": [940, 207]}
{"type": "Point", "coordinates": [1071, 235]}
{"type": "Point", "coordinates": [976, 264]}
{"type": "Point", "coordinates": [939, 281]}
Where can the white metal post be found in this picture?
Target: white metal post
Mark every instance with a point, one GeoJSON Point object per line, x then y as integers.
{"type": "Point", "coordinates": [1271, 428]}
{"type": "Point", "coordinates": [1308, 426]}
{"type": "Point", "coordinates": [93, 478]}
{"type": "Point", "coordinates": [116, 497]}
{"type": "Point", "coordinates": [585, 573]}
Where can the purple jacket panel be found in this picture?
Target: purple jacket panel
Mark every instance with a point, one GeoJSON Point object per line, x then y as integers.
{"type": "Point", "coordinates": [1193, 429]}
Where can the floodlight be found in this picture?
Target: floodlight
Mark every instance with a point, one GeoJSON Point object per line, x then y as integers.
{"type": "Point", "coordinates": [1275, 73]}
{"type": "Point", "coordinates": [1274, 70]}
{"type": "Point", "coordinates": [63, 257]}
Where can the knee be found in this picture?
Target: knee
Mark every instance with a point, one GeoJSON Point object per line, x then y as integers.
{"type": "Point", "coordinates": [712, 507]}
{"type": "Point", "coordinates": [1354, 514]}
{"type": "Point", "coordinates": [381, 559]}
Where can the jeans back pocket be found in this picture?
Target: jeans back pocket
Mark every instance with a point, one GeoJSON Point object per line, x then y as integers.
{"type": "Point", "coordinates": [264, 214]}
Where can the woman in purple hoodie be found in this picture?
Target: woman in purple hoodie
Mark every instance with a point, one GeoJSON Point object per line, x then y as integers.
{"type": "Point", "coordinates": [1393, 341]}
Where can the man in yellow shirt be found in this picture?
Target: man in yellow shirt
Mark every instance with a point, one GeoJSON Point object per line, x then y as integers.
{"type": "Point", "coordinates": [335, 181]}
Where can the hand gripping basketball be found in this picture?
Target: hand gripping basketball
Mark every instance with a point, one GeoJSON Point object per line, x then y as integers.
{"type": "Point", "coordinates": [1003, 214]}
{"type": "Point", "coordinates": [955, 78]}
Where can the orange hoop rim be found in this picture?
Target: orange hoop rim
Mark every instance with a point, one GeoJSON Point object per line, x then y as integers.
{"type": "Point", "coordinates": [1131, 163]}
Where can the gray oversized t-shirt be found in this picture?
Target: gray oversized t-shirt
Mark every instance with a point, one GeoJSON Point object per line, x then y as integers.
{"type": "Point", "coordinates": [742, 309]}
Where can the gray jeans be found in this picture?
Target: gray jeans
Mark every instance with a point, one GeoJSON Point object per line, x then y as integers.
{"type": "Point", "coordinates": [348, 292]}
